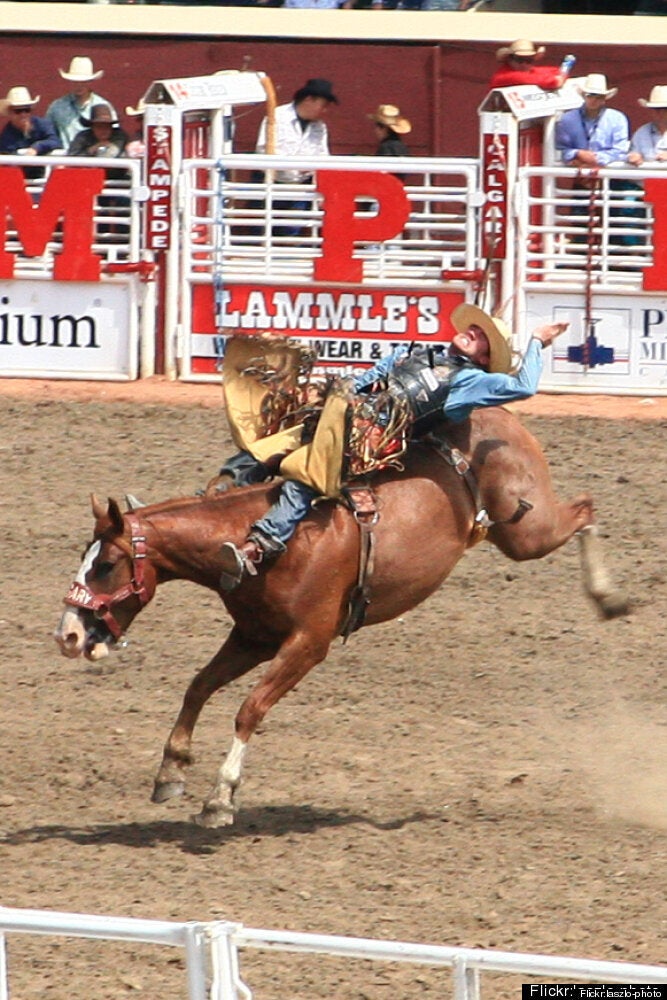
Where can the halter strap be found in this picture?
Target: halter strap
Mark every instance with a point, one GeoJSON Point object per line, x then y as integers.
{"type": "Point", "coordinates": [80, 595]}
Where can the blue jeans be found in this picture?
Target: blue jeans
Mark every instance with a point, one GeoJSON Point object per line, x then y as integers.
{"type": "Point", "coordinates": [282, 519]}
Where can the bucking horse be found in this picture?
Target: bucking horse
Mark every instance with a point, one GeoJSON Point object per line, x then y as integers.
{"type": "Point", "coordinates": [489, 476]}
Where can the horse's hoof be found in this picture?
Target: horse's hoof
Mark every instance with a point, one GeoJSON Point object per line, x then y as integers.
{"type": "Point", "coordinates": [614, 606]}
{"type": "Point", "coordinates": [211, 818]}
{"type": "Point", "coordinates": [164, 790]}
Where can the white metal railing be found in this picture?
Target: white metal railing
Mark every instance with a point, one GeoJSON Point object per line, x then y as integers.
{"type": "Point", "coordinates": [237, 220]}
{"type": "Point", "coordinates": [116, 219]}
{"type": "Point", "coordinates": [212, 953]}
{"type": "Point", "coordinates": [190, 937]}
{"type": "Point", "coordinates": [567, 231]}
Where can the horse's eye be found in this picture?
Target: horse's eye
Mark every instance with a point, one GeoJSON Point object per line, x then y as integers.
{"type": "Point", "coordinates": [103, 569]}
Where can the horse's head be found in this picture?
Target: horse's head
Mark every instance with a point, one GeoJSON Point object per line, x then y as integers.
{"type": "Point", "coordinates": [114, 582]}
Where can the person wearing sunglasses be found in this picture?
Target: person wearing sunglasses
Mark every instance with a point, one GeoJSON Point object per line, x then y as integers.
{"type": "Point", "coordinates": [518, 66]}
{"type": "Point", "coordinates": [593, 135]}
{"type": "Point", "coordinates": [25, 134]}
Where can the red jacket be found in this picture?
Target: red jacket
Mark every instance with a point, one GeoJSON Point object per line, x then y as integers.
{"type": "Point", "coordinates": [546, 77]}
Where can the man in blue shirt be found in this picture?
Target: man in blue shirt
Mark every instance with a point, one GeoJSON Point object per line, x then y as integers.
{"type": "Point", "coordinates": [593, 135]}
{"type": "Point", "coordinates": [25, 133]}
{"type": "Point", "coordinates": [475, 373]}
{"type": "Point", "coordinates": [649, 142]}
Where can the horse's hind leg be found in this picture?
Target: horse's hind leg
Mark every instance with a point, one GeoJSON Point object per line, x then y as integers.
{"type": "Point", "coordinates": [296, 657]}
{"type": "Point", "coordinates": [232, 660]}
{"type": "Point", "coordinates": [610, 601]}
{"type": "Point", "coordinates": [548, 526]}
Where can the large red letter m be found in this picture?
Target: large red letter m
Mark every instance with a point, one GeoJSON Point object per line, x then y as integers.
{"type": "Point", "coordinates": [69, 195]}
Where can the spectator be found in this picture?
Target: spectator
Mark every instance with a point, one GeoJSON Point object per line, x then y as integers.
{"type": "Point", "coordinates": [25, 133]}
{"type": "Point", "coordinates": [299, 128]}
{"type": "Point", "coordinates": [517, 67]}
{"type": "Point", "coordinates": [321, 4]}
{"type": "Point", "coordinates": [300, 131]}
{"type": "Point", "coordinates": [652, 7]}
{"type": "Point", "coordinates": [390, 125]}
{"type": "Point", "coordinates": [649, 143]}
{"type": "Point", "coordinates": [67, 112]}
{"type": "Point", "coordinates": [446, 4]}
{"type": "Point", "coordinates": [136, 147]}
{"type": "Point", "coordinates": [102, 135]}
{"type": "Point", "coordinates": [593, 135]}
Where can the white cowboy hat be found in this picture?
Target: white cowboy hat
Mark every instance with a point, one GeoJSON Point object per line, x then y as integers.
{"type": "Point", "coordinates": [80, 70]}
{"type": "Point", "coordinates": [17, 97]}
{"type": "Point", "coordinates": [390, 116]}
{"type": "Point", "coordinates": [521, 47]}
{"type": "Point", "coordinates": [498, 334]}
{"type": "Point", "coordinates": [596, 84]}
{"type": "Point", "coordinates": [656, 99]}
{"type": "Point", "coordinates": [139, 110]}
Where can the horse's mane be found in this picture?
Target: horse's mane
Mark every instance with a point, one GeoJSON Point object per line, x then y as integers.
{"type": "Point", "coordinates": [227, 501]}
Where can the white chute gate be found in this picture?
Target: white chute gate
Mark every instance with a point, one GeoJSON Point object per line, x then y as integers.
{"type": "Point", "coordinates": [186, 118]}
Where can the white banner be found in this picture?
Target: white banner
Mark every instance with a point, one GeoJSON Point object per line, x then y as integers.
{"type": "Point", "coordinates": [622, 347]}
{"type": "Point", "coordinates": [74, 330]}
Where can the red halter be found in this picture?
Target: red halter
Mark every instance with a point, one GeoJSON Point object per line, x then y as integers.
{"type": "Point", "coordinates": [81, 596]}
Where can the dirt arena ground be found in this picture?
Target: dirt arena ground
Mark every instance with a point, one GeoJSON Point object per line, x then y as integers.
{"type": "Point", "coordinates": [488, 771]}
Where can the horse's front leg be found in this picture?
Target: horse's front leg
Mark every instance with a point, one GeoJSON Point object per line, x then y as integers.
{"type": "Point", "coordinates": [233, 659]}
{"type": "Point", "coordinates": [296, 657]}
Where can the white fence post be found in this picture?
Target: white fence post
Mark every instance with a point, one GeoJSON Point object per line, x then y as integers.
{"type": "Point", "coordinates": [466, 981]}
{"type": "Point", "coordinates": [4, 994]}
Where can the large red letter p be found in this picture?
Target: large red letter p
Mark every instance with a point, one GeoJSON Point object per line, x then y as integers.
{"type": "Point", "coordinates": [341, 228]}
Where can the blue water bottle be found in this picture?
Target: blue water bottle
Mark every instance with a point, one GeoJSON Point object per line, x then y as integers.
{"type": "Point", "coordinates": [567, 64]}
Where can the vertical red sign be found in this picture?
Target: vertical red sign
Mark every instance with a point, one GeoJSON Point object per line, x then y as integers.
{"type": "Point", "coordinates": [494, 211]}
{"type": "Point", "coordinates": [158, 176]}
{"type": "Point", "coordinates": [655, 277]}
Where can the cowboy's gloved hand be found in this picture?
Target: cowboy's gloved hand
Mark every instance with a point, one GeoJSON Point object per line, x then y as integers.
{"type": "Point", "coordinates": [547, 334]}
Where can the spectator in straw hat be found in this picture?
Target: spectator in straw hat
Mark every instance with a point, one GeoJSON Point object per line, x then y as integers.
{"type": "Point", "coordinates": [649, 143]}
{"type": "Point", "coordinates": [136, 147]}
{"type": "Point", "coordinates": [25, 134]}
{"type": "Point", "coordinates": [67, 112]}
{"type": "Point", "coordinates": [593, 135]}
{"type": "Point", "coordinates": [390, 125]}
{"type": "Point", "coordinates": [518, 66]}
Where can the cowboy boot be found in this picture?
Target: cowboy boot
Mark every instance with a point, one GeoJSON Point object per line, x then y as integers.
{"type": "Point", "coordinates": [237, 561]}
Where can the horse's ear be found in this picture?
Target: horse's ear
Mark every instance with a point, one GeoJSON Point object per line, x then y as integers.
{"type": "Point", "coordinates": [98, 510]}
{"type": "Point", "coordinates": [116, 517]}
{"type": "Point", "coordinates": [111, 513]}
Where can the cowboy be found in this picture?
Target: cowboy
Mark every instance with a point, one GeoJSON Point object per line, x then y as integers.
{"type": "Point", "coordinates": [649, 142]}
{"type": "Point", "coordinates": [25, 134]}
{"type": "Point", "coordinates": [390, 126]}
{"type": "Point", "coordinates": [136, 147]}
{"type": "Point", "coordinates": [102, 135]}
{"type": "Point", "coordinates": [476, 372]}
{"type": "Point", "coordinates": [299, 132]}
{"type": "Point", "coordinates": [593, 135]}
{"type": "Point", "coordinates": [518, 66]}
{"type": "Point", "coordinates": [67, 112]}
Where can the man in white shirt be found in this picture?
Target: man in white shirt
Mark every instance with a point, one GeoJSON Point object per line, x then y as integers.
{"type": "Point", "coordinates": [299, 132]}
{"type": "Point", "coordinates": [299, 128]}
